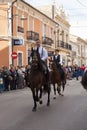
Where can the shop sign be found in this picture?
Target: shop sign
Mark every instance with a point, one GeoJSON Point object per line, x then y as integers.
{"type": "Point", "coordinates": [18, 42]}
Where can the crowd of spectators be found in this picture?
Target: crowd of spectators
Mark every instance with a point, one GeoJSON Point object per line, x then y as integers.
{"type": "Point", "coordinates": [75, 71]}
{"type": "Point", "coordinates": [15, 77]}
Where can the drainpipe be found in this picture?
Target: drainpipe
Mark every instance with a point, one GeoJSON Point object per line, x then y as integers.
{"type": "Point", "coordinates": [12, 26]}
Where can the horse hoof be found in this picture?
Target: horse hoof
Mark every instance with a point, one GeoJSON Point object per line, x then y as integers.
{"type": "Point", "coordinates": [61, 95]}
{"type": "Point", "coordinates": [41, 102]}
{"type": "Point", "coordinates": [34, 109]}
{"type": "Point", "coordinates": [54, 97]}
{"type": "Point", "coordinates": [48, 104]}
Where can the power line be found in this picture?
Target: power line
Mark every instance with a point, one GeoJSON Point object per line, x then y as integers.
{"type": "Point", "coordinates": [77, 15]}
{"type": "Point", "coordinates": [81, 3]}
{"type": "Point", "coordinates": [76, 9]}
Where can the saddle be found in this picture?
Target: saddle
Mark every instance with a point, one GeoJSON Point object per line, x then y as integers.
{"type": "Point", "coordinates": [45, 70]}
{"type": "Point", "coordinates": [44, 66]}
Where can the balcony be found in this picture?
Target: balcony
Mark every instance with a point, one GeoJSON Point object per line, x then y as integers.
{"type": "Point", "coordinates": [64, 45]}
{"type": "Point", "coordinates": [47, 41]}
{"type": "Point", "coordinates": [32, 35]}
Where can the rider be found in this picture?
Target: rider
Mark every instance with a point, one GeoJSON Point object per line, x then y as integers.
{"type": "Point", "coordinates": [44, 56]}
{"type": "Point", "coordinates": [56, 58]}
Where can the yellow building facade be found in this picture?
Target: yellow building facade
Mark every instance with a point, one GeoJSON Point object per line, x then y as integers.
{"type": "Point", "coordinates": [22, 25]}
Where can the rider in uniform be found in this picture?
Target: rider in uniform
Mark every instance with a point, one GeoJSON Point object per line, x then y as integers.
{"type": "Point", "coordinates": [56, 58]}
{"type": "Point", "coordinates": [44, 56]}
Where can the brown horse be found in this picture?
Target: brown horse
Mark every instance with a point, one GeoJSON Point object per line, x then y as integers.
{"type": "Point", "coordinates": [37, 79]}
{"type": "Point", "coordinates": [58, 77]}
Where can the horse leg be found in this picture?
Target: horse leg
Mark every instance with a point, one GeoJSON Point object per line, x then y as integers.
{"type": "Point", "coordinates": [37, 99]}
{"type": "Point", "coordinates": [48, 90]}
{"type": "Point", "coordinates": [59, 90]}
{"type": "Point", "coordinates": [54, 88]}
{"type": "Point", "coordinates": [63, 87]}
{"type": "Point", "coordinates": [34, 98]}
{"type": "Point", "coordinates": [40, 100]}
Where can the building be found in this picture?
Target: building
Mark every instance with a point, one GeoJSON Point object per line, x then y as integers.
{"type": "Point", "coordinates": [61, 31]}
{"type": "Point", "coordinates": [82, 51]}
{"type": "Point", "coordinates": [74, 52]}
{"type": "Point", "coordinates": [79, 50]}
{"type": "Point", "coordinates": [22, 25]}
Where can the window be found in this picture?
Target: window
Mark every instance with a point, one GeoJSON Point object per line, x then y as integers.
{"type": "Point", "coordinates": [51, 32]}
{"type": "Point", "coordinates": [31, 23]}
{"type": "Point", "coordinates": [79, 49]}
{"type": "Point", "coordinates": [44, 30]}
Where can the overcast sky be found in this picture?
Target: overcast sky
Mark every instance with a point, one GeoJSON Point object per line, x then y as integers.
{"type": "Point", "coordinates": [77, 10]}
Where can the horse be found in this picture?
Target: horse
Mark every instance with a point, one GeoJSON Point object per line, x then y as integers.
{"type": "Point", "coordinates": [57, 78]}
{"type": "Point", "coordinates": [37, 79]}
{"type": "Point", "coordinates": [84, 80]}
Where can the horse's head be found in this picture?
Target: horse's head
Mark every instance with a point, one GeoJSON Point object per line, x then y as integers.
{"type": "Point", "coordinates": [35, 58]}
{"type": "Point", "coordinates": [53, 65]}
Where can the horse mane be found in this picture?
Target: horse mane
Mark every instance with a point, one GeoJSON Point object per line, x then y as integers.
{"type": "Point", "coordinates": [38, 57]}
{"type": "Point", "coordinates": [53, 65]}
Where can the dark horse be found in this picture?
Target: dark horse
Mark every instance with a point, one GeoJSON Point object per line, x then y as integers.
{"type": "Point", "coordinates": [37, 79]}
{"type": "Point", "coordinates": [57, 76]}
{"type": "Point", "coordinates": [84, 80]}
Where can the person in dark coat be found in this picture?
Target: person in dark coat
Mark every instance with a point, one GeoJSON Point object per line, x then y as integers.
{"type": "Point", "coordinates": [56, 58]}
{"type": "Point", "coordinates": [5, 75]}
{"type": "Point", "coordinates": [14, 78]}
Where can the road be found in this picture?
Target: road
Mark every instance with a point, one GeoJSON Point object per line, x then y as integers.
{"type": "Point", "coordinates": [65, 113]}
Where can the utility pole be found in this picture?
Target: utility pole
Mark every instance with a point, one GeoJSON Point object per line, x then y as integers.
{"type": "Point", "coordinates": [12, 26]}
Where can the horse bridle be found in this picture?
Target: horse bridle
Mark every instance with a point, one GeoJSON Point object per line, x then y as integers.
{"type": "Point", "coordinates": [34, 63]}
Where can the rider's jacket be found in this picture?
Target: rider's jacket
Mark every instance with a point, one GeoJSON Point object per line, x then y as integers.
{"type": "Point", "coordinates": [56, 58]}
{"type": "Point", "coordinates": [43, 53]}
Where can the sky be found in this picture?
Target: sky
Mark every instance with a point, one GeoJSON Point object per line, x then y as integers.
{"type": "Point", "coordinates": [77, 11]}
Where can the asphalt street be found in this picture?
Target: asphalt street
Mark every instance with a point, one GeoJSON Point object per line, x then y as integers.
{"type": "Point", "coordinates": [64, 113]}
